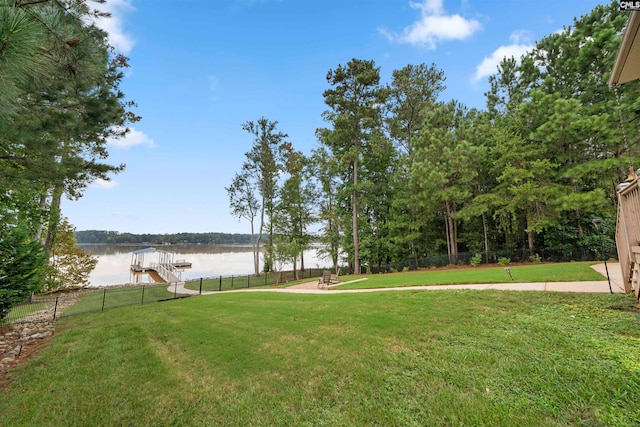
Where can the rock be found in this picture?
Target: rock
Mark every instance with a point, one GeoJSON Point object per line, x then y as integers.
{"type": "Point", "coordinates": [6, 360]}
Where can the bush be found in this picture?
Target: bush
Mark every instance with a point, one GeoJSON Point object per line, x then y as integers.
{"type": "Point", "coordinates": [504, 261]}
{"type": "Point", "coordinates": [476, 260]}
{"type": "Point", "coordinates": [535, 258]}
{"type": "Point", "coordinates": [22, 266]}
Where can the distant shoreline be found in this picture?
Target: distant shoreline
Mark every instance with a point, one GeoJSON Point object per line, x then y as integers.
{"type": "Point", "coordinates": [118, 238]}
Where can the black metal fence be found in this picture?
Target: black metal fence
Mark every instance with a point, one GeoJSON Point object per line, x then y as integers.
{"type": "Point", "coordinates": [33, 311]}
{"type": "Point", "coordinates": [226, 283]}
{"type": "Point", "coordinates": [43, 308]}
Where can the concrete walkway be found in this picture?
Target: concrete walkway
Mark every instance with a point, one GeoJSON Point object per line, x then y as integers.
{"type": "Point", "coordinates": [602, 286]}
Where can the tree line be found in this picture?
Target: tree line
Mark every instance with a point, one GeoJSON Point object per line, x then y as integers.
{"type": "Point", "coordinates": [400, 174]}
{"type": "Point", "coordinates": [115, 237]}
{"type": "Point", "coordinates": [61, 103]}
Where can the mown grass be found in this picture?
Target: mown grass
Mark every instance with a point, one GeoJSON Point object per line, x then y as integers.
{"type": "Point", "coordinates": [395, 358]}
{"type": "Point", "coordinates": [557, 272]}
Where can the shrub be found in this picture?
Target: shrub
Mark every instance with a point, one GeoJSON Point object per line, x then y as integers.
{"type": "Point", "coordinates": [22, 266]}
{"type": "Point", "coordinates": [504, 261]}
{"type": "Point", "coordinates": [405, 269]}
{"type": "Point", "coordinates": [476, 260]}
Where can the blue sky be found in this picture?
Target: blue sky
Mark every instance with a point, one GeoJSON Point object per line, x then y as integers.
{"type": "Point", "coordinates": [200, 68]}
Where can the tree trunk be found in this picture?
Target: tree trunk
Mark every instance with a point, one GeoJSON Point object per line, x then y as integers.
{"type": "Point", "coordinates": [302, 261]}
{"type": "Point", "coordinates": [301, 233]}
{"type": "Point", "coordinates": [256, 251]}
{"type": "Point", "coordinates": [268, 263]}
{"type": "Point", "coordinates": [454, 235]}
{"type": "Point", "coordinates": [262, 209]}
{"type": "Point", "coordinates": [356, 242]}
{"type": "Point", "coordinates": [334, 245]}
{"type": "Point", "coordinates": [446, 229]}
{"type": "Point", "coordinates": [583, 252]}
{"type": "Point", "coordinates": [54, 218]}
{"type": "Point", "coordinates": [43, 205]}
{"type": "Point", "coordinates": [486, 240]}
{"type": "Point", "coordinates": [452, 244]}
{"type": "Point", "coordinates": [530, 236]}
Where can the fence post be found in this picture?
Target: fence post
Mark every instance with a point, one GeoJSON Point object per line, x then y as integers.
{"type": "Point", "coordinates": [175, 291]}
{"type": "Point", "coordinates": [55, 309]}
{"type": "Point", "coordinates": [220, 286]}
{"type": "Point", "coordinates": [248, 281]}
{"type": "Point", "coordinates": [201, 286]}
{"type": "Point", "coordinates": [265, 278]}
{"type": "Point", "coordinates": [142, 302]}
{"type": "Point", "coordinates": [104, 296]}
{"type": "Point", "coordinates": [232, 281]}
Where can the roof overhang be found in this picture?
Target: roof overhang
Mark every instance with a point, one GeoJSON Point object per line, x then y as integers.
{"type": "Point", "coordinates": [627, 65]}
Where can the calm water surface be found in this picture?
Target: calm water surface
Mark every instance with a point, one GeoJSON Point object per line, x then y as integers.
{"type": "Point", "coordinates": [207, 261]}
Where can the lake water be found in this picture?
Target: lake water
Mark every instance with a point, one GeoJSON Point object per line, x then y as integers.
{"type": "Point", "coordinates": [114, 261]}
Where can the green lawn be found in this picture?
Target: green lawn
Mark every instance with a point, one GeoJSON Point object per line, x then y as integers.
{"type": "Point", "coordinates": [556, 272]}
{"type": "Point", "coordinates": [494, 358]}
{"type": "Point", "coordinates": [93, 300]}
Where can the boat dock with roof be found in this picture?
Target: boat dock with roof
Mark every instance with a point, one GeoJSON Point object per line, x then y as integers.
{"type": "Point", "coordinates": [167, 269]}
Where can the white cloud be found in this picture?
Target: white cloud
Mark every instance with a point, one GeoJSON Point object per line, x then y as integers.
{"type": "Point", "coordinates": [434, 26]}
{"type": "Point", "coordinates": [520, 44]}
{"type": "Point", "coordinates": [122, 41]}
{"type": "Point", "coordinates": [133, 137]}
{"type": "Point", "coordinates": [103, 183]}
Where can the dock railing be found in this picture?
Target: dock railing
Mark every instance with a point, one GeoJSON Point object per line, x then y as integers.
{"type": "Point", "coordinates": [628, 235]}
{"type": "Point", "coordinates": [167, 271]}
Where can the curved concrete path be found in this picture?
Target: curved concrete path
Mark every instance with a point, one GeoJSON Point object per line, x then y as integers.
{"type": "Point", "coordinates": [602, 286]}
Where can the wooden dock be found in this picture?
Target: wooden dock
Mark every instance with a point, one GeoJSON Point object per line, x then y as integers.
{"type": "Point", "coordinates": [165, 270]}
